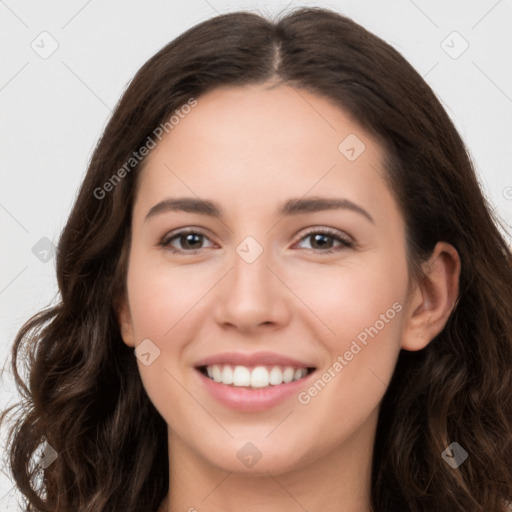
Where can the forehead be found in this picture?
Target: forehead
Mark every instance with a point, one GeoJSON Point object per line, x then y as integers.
{"type": "Point", "coordinates": [254, 145]}
{"type": "Point", "coordinates": [262, 120]}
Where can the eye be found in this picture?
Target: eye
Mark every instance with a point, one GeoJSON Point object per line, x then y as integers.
{"type": "Point", "coordinates": [321, 237]}
{"type": "Point", "coordinates": [189, 239]}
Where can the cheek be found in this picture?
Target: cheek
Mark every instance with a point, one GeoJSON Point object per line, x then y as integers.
{"type": "Point", "coordinates": [366, 317]}
{"type": "Point", "coordinates": [161, 304]}
{"type": "Point", "coordinates": [343, 301]}
{"type": "Point", "coordinates": [166, 301]}
{"type": "Point", "coordinates": [162, 296]}
{"type": "Point", "coordinates": [358, 318]}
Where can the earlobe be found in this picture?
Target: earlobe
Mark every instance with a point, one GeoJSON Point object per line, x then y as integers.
{"type": "Point", "coordinates": [434, 299]}
{"type": "Point", "coordinates": [125, 324]}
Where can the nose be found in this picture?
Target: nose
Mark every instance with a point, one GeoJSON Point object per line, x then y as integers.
{"type": "Point", "coordinates": [252, 295]}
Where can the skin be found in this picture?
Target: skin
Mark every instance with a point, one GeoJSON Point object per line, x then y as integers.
{"type": "Point", "coordinates": [259, 146]}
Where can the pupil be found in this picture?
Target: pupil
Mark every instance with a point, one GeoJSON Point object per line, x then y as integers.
{"type": "Point", "coordinates": [318, 238]}
{"type": "Point", "coordinates": [188, 237]}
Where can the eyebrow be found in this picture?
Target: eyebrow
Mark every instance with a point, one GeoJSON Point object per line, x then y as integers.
{"type": "Point", "coordinates": [290, 207]}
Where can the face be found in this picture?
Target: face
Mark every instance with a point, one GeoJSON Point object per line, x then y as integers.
{"type": "Point", "coordinates": [265, 290]}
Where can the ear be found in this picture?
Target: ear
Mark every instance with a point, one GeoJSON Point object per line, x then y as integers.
{"type": "Point", "coordinates": [433, 300]}
{"type": "Point", "coordinates": [124, 320]}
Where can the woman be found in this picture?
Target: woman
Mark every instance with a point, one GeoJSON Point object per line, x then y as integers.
{"type": "Point", "coordinates": [369, 369]}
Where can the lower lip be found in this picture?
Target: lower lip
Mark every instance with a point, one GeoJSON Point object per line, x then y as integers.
{"type": "Point", "coordinates": [252, 400]}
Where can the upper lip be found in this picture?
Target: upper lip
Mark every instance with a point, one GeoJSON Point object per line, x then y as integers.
{"type": "Point", "coordinates": [253, 359]}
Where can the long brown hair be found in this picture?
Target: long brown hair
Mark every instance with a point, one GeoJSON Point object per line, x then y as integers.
{"type": "Point", "coordinates": [83, 393]}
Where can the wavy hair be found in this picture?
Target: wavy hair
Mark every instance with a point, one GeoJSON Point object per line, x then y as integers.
{"type": "Point", "coordinates": [81, 391]}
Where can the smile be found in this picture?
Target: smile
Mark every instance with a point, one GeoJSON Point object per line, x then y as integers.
{"type": "Point", "coordinates": [256, 377]}
{"type": "Point", "coordinates": [253, 382]}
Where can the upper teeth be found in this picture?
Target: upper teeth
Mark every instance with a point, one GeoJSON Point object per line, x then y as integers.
{"type": "Point", "coordinates": [257, 377]}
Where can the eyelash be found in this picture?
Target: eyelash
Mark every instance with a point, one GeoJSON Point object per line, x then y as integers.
{"type": "Point", "coordinates": [332, 233]}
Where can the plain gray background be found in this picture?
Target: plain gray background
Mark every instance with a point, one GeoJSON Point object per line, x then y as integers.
{"type": "Point", "coordinates": [54, 107]}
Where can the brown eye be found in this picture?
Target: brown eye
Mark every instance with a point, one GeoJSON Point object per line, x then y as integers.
{"type": "Point", "coordinates": [187, 240]}
{"type": "Point", "coordinates": [322, 241]}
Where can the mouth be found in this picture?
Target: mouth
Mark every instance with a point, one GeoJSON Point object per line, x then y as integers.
{"type": "Point", "coordinates": [254, 377]}
{"type": "Point", "coordinates": [253, 382]}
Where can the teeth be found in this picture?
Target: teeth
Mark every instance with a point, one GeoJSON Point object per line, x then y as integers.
{"type": "Point", "coordinates": [260, 377]}
{"type": "Point", "coordinates": [241, 376]}
{"type": "Point", "coordinates": [288, 374]}
{"type": "Point", "coordinates": [227, 375]}
{"type": "Point", "coordinates": [217, 376]}
{"type": "Point", "coordinates": [276, 376]}
{"type": "Point", "coordinates": [257, 377]}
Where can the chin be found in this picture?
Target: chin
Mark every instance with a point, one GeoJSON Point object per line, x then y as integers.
{"type": "Point", "coordinates": [258, 457]}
